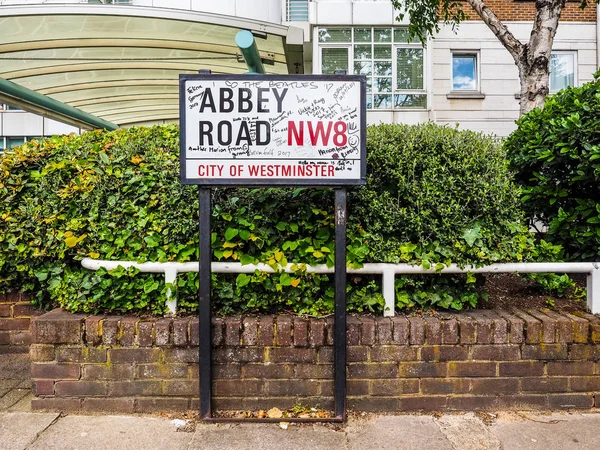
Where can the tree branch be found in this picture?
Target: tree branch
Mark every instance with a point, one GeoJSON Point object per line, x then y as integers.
{"type": "Point", "coordinates": [510, 42]}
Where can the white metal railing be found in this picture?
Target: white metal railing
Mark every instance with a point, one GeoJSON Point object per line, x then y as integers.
{"type": "Point", "coordinates": [387, 271]}
{"type": "Point", "coordinates": [297, 10]}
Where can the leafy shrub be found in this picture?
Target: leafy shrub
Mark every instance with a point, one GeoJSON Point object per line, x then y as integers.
{"type": "Point", "coordinates": [555, 152]}
{"type": "Point", "coordinates": [435, 196]}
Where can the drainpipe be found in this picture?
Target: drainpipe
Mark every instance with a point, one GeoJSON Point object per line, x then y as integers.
{"type": "Point", "coordinates": [37, 103]}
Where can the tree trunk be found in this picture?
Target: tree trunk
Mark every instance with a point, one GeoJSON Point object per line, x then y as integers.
{"type": "Point", "coordinates": [535, 81]}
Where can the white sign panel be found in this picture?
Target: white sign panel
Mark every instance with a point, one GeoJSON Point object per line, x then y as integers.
{"type": "Point", "coordinates": [272, 130]}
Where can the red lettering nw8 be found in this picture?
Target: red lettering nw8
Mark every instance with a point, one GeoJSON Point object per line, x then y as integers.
{"type": "Point", "coordinates": [318, 131]}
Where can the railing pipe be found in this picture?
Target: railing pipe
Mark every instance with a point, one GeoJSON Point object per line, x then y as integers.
{"type": "Point", "coordinates": [247, 45]}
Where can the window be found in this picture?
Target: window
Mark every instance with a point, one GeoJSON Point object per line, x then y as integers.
{"type": "Point", "coordinates": [14, 142]}
{"type": "Point", "coordinates": [563, 70]}
{"type": "Point", "coordinates": [465, 73]}
{"type": "Point", "coordinates": [394, 68]}
{"type": "Point", "coordinates": [297, 10]}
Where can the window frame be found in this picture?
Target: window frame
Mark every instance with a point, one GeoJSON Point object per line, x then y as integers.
{"type": "Point", "coordinates": [575, 67]}
{"type": "Point", "coordinates": [477, 55]}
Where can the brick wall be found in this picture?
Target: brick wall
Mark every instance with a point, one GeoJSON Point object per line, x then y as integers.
{"type": "Point", "coordinates": [508, 10]}
{"type": "Point", "coordinates": [16, 312]}
{"type": "Point", "coordinates": [479, 360]}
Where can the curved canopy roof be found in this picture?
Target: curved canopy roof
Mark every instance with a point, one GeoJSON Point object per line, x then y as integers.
{"type": "Point", "coordinates": [122, 63]}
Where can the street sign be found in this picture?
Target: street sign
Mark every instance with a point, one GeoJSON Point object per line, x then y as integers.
{"type": "Point", "coordinates": [273, 130]}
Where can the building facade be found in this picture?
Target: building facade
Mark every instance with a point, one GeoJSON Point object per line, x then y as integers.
{"type": "Point", "coordinates": [465, 78]}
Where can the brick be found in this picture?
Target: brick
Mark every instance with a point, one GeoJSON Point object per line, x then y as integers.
{"type": "Point", "coordinates": [133, 355]}
{"type": "Point", "coordinates": [523, 401]}
{"type": "Point", "coordinates": [43, 387]}
{"type": "Point", "coordinates": [478, 402]}
{"type": "Point", "coordinates": [499, 325]}
{"type": "Point", "coordinates": [55, 371]}
{"type": "Point", "coordinates": [232, 388]}
{"type": "Point", "coordinates": [515, 327]}
{"type": "Point", "coordinates": [445, 386]}
{"type": "Point", "coordinates": [154, 371]}
{"type": "Point", "coordinates": [433, 330]}
{"type": "Point", "coordinates": [135, 388]}
{"type": "Point", "coordinates": [249, 331]}
{"type": "Point", "coordinates": [417, 331]}
{"type": "Point", "coordinates": [220, 370]}
{"type": "Point", "coordinates": [80, 388]}
{"type": "Point", "coordinates": [300, 332]}
{"type": "Point", "coordinates": [266, 330]}
{"type": "Point", "coordinates": [367, 331]}
{"type": "Point", "coordinates": [495, 386]}
{"type": "Point", "coordinates": [145, 330]}
{"type": "Point", "coordinates": [26, 309]}
{"type": "Point", "coordinates": [594, 325]}
{"type": "Point", "coordinates": [544, 384]}
{"type": "Point", "coordinates": [291, 354]}
{"type": "Point", "coordinates": [485, 327]}
{"type": "Point", "coordinates": [394, 387]}
{"type": "Point", "coordinates": [41, 353]}
{"type": "Point", "coordinates": [180, 355]}
{"type": "Point", "coordinates": [369, 404]}
{"type": "Point", "coordinates": [401, 330]}
{"type": "Point", "coordinates": [352, 331]}
{"type": "Point", "coordinates": [471, 369]}
{"type": "Point", "coordinates": [545, 351]}
{"type": "Point", "coordinates": [5, 338]}
{"type": "Point", "coordinates": [5, 311]}
{"type": "Point", "coordinates": [521, 369]}
{"type": "Point", "coordinates": [325, 355]}
{"type": "Point", "coordinates": [583, 384]}
{"type": "Point", "coordinates": [56, 404]}
{"type": "Point", "coordinates": [385, 329]}
{"type": "Point", "coordinates": [180, 331]}
{"type": "Point", "coordinates": [380, 370]}
{"type": "Point", "coordinates": [357, 387]}
{"type": "Point", "coordinates": [444, 353]}
{"type": "Point", "coordinates": [422, 369]}
{"type": "Point", "coordinates": [423, 403]}
{"type": "Point", "coordinates": [450, 331]}
{"type": "Point", "coordinates": [393, 353]}
{"type": "Point", "coordinates": [108, 372]}
{"type": "Point", "coordinates": [240, 354]}
{"type": "Point", "coordinates": [317, 333]}
{"type": "Point", "coordinates": [218, 331]}
{"type": "Point", "coordinates": [161, 404]}
{"type": "Point", "coordinates": [291, 387]}
{"type": "Point", "coordinates": [81, 354]}
{"type": "Point", "coordinates": [314, 371]}
{"type": "Point", "coordinates": [14, 324]}
{"type": "Point", "coordinates": [589, 352]}
{"type": "Point", "coordinates": [93, 335]}
{"type": "Point", "coordinates": [181, 388]}
{"type": "Point", "coordinates": [114, 405]}
{"type": "Point", "coordinates": [467, 330]}
{"type": "Point", "coordinates": [548, 326]}
{"type": "Point", "coordinates": [330, 330]}
{"type": "Point", "coordinates": [570, 368]}
{"type": "Point", "coordinates": [584, 401]}
{"type": "Point", "coordinates": [22, 338]}
{"type": "Point", "coordinates": [110, 330]}
{"type": "Point", "coordinates": [269, 370]}
{"type": "Point", "coordinates": [357, 354]}
{"type": "Point", "coordinates": [162, 331]}
{"type": "Point", "coordinates": [127, 331]}
{"type": "Point", "coordinates": [564, 327]}
{"type": "Point", "coordinates": [499, 352]}
{"type": "Point", "coordinates": [531, 326]}
{"type": "Point", "coordinates": [580, 328]}
{"type": "Point", "coordinates": [284, 331]}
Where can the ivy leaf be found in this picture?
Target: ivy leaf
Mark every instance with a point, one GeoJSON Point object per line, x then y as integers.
{"type": "Point", "coordinates": [285, 279]}
{"type": "Point", "coordinates": [242, 280]}
{"type": "Point", "coordinates": [472, 234]}
{"type": "Point", "coordinates": [230, 233]}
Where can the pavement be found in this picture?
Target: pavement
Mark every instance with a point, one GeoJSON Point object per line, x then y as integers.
{"type": "Point", "coordinates": [21, 429]}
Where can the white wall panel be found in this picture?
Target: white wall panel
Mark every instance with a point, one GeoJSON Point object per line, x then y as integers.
{"type": "Point", "coordinates": [21, 123]}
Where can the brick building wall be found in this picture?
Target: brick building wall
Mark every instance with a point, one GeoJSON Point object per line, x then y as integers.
{"type": "Point", "coordinates": [480, 360]}
{"type": "Point", "coordinates": [16, 312]}
{"type": "Point", "coordinates": [510, 10]}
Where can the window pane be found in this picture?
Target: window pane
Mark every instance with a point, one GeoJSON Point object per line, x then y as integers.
{"type": "Point", "coordinates": [410, 101]}
{"type": "Point", "coordinates": [382, 35]}
{"type": "Point", "coordinates": [297, 10]}
{"type": "Point", "coordinates": [464, 72]}
{"type": "Point", "coordinates": [381, 101]}
{"type": "Point", "coordinates": [362, 35]}
{"type": "Point", "coordinates": [363, 68]}
{"type": "Point", "coordinates": [401, 35]}
{"type": "Point", "coordinates": [409, 67]}
{"type": "Point", "coordinates": [14, 141]}
{"type": "Point", "coordinates": [369, 101]}
{"type": "Point", "coordinates": [383, 68]}
{"type": "Point", "coordinates": [335, 34]}
{"type": "Point", "coordinates": [362, 52]}
{"type": "Point", "coordinates": [333, 59]}
{"type": "Point", "coordinates": [383, 84]}
{"type": "Point", "coordinates": [562, 71]}
{"type": "Point", "coordinates": [383, 51]}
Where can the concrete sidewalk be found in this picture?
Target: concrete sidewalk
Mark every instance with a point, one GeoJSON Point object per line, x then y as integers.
{"type": "Point", "coordinates": [506, 430]}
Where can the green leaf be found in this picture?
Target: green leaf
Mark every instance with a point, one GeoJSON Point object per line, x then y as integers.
{"type": "Point", "coordinates": [285, 279]}
{"type": "Point", "coordinates": [280, 226]}
{"type": "Point", "coordinates": [230, 233]}
{"type": "Point", "coordinates": [242, 280]}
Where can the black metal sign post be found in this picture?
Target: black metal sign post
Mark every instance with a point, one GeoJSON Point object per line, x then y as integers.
{"type": "Point", "coordinates": [202, 164]}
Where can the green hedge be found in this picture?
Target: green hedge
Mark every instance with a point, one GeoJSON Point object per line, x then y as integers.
{"type": "Point", "coordinates": [556, 155]}
{"type": "Point", "coordinates": [435, 195]}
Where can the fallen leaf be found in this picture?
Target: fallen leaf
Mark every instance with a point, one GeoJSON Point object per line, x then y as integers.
{"type": "Point", "coordinates": [283, 425]}
{"type": "Point", "coordinates": [274, 413]}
